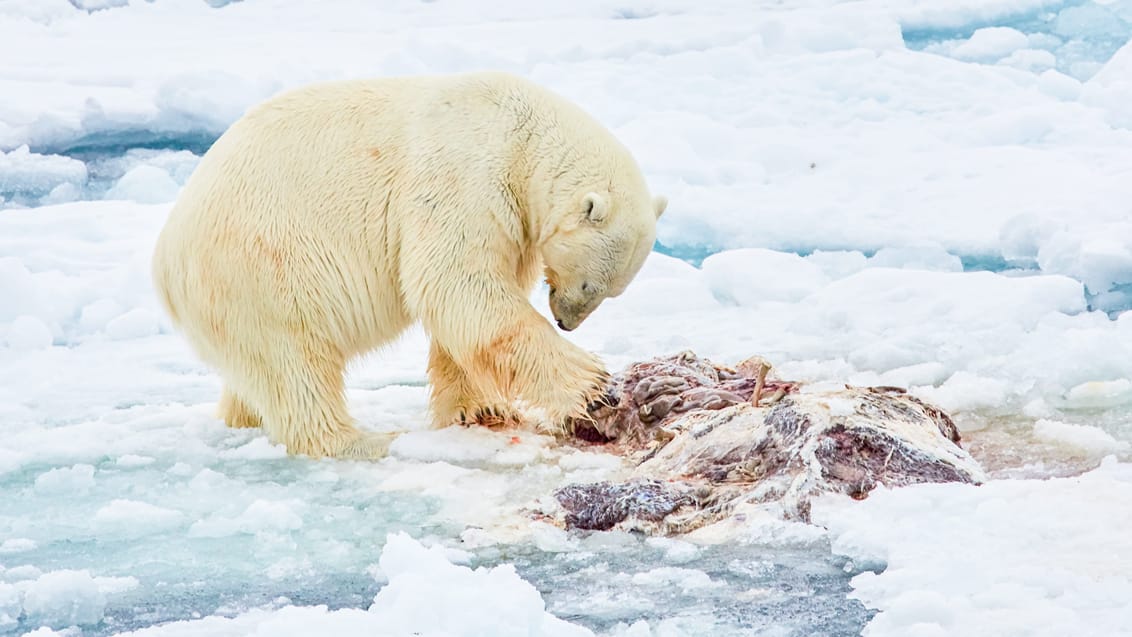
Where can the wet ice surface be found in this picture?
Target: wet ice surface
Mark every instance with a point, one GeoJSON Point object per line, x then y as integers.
{"type": "Point", "coordinates": [780, 591]}
{"type": "Point", "coordinates": [1074, 37]}
{"type": "Point", "coordinates": [197, 539]}
{"type": "Point", "coordinates": [133, 541]}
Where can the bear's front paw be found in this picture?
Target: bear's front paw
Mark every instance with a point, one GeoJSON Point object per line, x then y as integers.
{"type": "Point", "coordinates": [578, 393]}
{"type": "Point", "coordinates": [607, 398]}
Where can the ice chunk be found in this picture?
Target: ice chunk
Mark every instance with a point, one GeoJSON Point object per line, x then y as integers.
{"type": "Point", "coordinates": [838, 264]}
{"type": "Point", "coordinates": [62, 193]}
{"type": "Point", "coordinates": [261, 515]}
{"type": "Point", "coordinates": [27, 333]}
{"type": "Point", "coordinates": [17, 545]}
{"type": "Point", "coordinates": [145, 184]}
{"type": "Point", "coordinates": [668, 576]}
{"type": "Point", "coordinates": [1089, 21]}
{"type": "Point", "coordinates": [131, 518]}
{"type": "Point", "coordinates": [11, 606]}
{"type": "Point", "coordinates": [1033, 60]}
{"type": "Point", "coordinates": [94, 316]}
{"type": "Point", "coordinates": [428, 595]}
{"type": "Point", "coordinates": [1100, 256]}
{"type": "Point", "coordinates": [64, 598]}
{"type": "Point", "coordinates": [26, 173]}
{"type": "Point", "coordinates": [675, 551]}
{"type": "Point", "coordinates": [991, 43]}
{"type": "Point", "coordinates": [136, 323]}
{"type": "Point", "coordinates": [1092, 440]}
{"type": "Point", "coordinates": [1023, 235]}
{"type": "Point", "coordinates": [1111, 88]}
{"type": "Point", "coordinates": [133, 461]}
{"type": "Point", "coordinates": [1100, 394]}
{"type": "Point", "coordinates": [75, 480]}
{"type": "Point", "coordinates": [966, 391]}
{"type": "Point", "coordinates": [753, 276]}
{"type": "Point", "coordinates": [917, 257]}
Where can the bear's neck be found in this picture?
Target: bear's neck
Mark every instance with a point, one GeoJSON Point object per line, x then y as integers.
{"type": "Point", "coordinates": [558, 149]}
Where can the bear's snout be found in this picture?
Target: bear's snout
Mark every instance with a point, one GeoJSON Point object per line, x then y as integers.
{"type": "Point", "coordinates": [568, 313]}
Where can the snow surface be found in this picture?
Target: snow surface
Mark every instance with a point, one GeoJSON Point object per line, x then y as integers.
{"type": "Point", "coordinates": [903, 192]}
{"type": "Point", "coordinates": [1011, 557]}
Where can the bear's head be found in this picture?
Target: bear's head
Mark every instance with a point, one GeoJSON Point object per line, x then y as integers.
{"type": "Point", "coordinates": [596, 249]}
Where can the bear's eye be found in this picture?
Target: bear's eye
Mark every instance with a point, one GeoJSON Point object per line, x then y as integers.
{"type": "Point", "coordinates": [585, 287]}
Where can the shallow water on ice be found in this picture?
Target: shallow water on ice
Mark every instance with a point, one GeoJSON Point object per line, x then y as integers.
{"type": "Point", "coordinates": [1080, 35]}
{"type": "Point", "coordinates": [716, 590]}
{"type": "Point", "coordinates": [201, 540]}
{"type": "Point", "coordinates": [237, 535]}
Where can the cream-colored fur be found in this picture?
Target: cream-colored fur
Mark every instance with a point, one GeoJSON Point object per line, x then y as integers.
{"type": "Point", "coordinates": [330, 218]}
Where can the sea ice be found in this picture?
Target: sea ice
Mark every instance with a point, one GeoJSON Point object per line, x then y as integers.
{"type": "Point", "coordinates": [1089, 439]}
{"type": "Point", "coordinates": [991, 43]}
{"type": "Point", "coordinates": [959, 562]}
{"type": "Point", "coordinates": [426, 595]}
{"type": "Point", "coordinates": [27, 174]}
{"type": "Point", "coordinates": [833, 167]}
{"type": "Point", "coordinates": [64, 598]}
{"type": "Point", "coordinates": [145, 184]}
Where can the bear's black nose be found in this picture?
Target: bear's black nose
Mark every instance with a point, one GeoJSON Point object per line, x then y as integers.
{"type": "Point", "coordinates": [561, 326]}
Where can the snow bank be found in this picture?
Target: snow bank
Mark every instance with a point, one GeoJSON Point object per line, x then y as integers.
{"type": "Point", "coordinates": [1111, 88]}
{"type": "Point", "coordinates": [1010, 557]}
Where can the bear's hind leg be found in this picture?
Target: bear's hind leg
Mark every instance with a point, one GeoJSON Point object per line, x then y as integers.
{"type": "Point", "coordinates": [304, 405]}
{"type": "Point", "coordinates": [454, 398]}
{"type": "Point", "coordinates": [236, 413]}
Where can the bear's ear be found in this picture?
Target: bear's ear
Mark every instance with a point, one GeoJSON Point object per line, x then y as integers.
{"type": "Point", "coordinates": [660, 202]}
{"type": "Point", "coordinates": [594, 207]}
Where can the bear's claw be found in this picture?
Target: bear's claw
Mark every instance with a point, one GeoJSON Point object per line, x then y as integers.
{"type": "Point", "coordinates": [490, 416]}
{"type": "Point", "coordinates": [607, 399]}
{"type": "Point", "coordinates": [495, 417]}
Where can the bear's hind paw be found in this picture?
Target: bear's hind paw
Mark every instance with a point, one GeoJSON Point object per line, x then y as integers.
{"type": "Point", "coordinates": [366, 446]}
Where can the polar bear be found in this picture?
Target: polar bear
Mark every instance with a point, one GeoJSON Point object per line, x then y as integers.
{"type": "Point", "coordinates": [330, 218]}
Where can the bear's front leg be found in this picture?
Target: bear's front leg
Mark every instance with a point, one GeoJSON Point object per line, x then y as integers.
{"type": "Point", "coordinates": [526, 357]}
{"type": "Point", "coordinates": [455, 398]}
{"type": "Point", "coordinates": [560, 377]}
